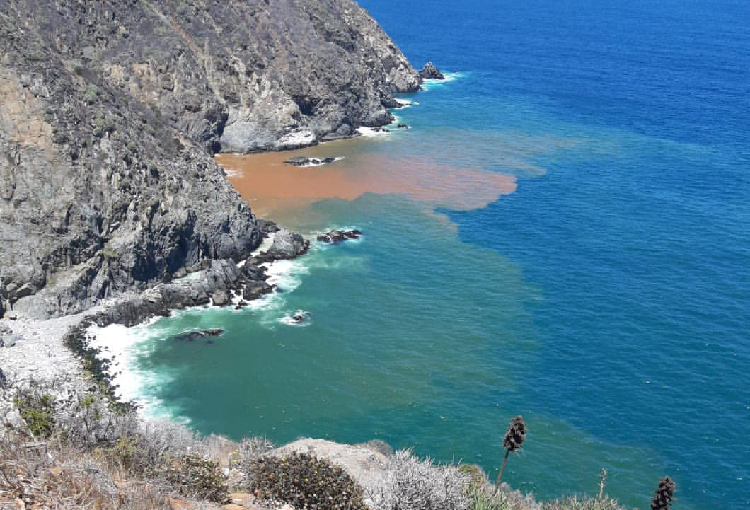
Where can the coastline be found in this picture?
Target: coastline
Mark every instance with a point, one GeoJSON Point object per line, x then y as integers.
{"type": "Point", "coordinates": [78, 355]}
{"type": "Point", "coordinates": [74, 357]}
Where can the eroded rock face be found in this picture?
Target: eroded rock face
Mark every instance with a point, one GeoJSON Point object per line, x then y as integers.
{"type": "Point", "coordinates": [110, 111]}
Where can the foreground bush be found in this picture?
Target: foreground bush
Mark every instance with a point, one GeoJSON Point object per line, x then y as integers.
{"type": "Point", "coordinates": [414, 484]}
{"type": "Point", "coordinates": [196, 477]}
{"type": "Point", "coordinates": [576, 503]}
{"type": "Point", "coordinates": [305, 482]}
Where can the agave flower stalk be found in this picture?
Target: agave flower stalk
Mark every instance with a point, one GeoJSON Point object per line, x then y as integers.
{"type": "Point", "coordinates": [513, 440]}
{"type": "Point", "coordinates": [664, 494]}
{"type": "Point", "coordinates": [602, 482]}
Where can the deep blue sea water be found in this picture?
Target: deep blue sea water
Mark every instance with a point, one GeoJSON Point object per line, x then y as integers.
{"type": "Point", "coordinates": [607, 299]}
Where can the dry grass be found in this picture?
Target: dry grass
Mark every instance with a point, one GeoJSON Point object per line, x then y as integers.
{"type": "Point", "coordinates": [582, 503]}
{"type": "Point", "coordinates": [46, 475]}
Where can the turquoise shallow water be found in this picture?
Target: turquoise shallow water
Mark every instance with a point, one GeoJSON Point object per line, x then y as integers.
{"type": "Point", "coordinates": [607, 299]}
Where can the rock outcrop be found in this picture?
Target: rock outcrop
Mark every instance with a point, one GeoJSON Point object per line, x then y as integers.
{"type": "Point", "coordinates": [430, 72]}
{"type": "Point", "coordinates": [286, 245]}
{"type": "Point", "coordinates": [338, 236]}
{"type": "Point", "coordinates": [110, 111]}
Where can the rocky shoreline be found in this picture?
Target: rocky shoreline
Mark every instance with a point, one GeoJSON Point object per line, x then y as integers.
{"type": "Point", "coordinates": [112, 210]}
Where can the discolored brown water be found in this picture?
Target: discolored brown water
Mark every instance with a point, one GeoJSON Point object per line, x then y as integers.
{"type": "Point", "coordinates": [280, 191]}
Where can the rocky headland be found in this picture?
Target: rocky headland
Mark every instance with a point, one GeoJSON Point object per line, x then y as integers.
{"type": "Point", "coordinates": [111, 113]}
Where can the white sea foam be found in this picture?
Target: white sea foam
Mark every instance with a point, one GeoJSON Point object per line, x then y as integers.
{"type": "Point", "coordinates": [406, 103]}
{"type": "Point", "coordinates": [372, 132]}
{"type": "Point", "coordinates": [122, 347]}
{"type": "Point", "coordinates": [433, 83]}
{"type": "Point", "coordinates": [289, 319]}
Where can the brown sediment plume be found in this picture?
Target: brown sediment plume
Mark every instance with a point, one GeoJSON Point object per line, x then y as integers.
{"type": "Point", "coordinates": [269, 185]}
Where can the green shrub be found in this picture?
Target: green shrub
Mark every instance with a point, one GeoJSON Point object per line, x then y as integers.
{"type": "Point", "coordinates": [37, 410]}
{"type": "Point", "coordinates": [102, 124]}
{"type": "Point", "coordinates": [91, 94]}
{"type": "Point", "coordinates": [196, 477]}
{"type": "Point", "coordinates": [305, 481]}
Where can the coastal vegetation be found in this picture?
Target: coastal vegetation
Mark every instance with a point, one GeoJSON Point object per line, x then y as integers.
{"type": "Point", "coordinates": [305, 481]}
{"type": "Point", "coordinates": [84, 452]}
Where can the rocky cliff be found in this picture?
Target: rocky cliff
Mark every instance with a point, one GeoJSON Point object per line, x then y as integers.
{"type": "Point", "coordinates": [110, 111]}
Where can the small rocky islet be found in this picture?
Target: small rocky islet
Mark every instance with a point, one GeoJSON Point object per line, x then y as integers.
{"type": "Point", "coordinates": [338, 236]}
{"type": "Point", "coordinates": [430, 72]}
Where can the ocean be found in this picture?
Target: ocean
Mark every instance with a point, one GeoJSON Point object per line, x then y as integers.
{"type": "Point", "coordinates": [562, 234]}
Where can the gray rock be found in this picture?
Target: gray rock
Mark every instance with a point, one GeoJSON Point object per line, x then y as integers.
{"type": "Point", "coordinates": [3, 380]}
{"type": "Point", "coordinates": [254, 290]}
{"type": "Point", "coordinates": [430, 72]}
{"type": "Point", "coordinates": [192, 336]}
{"type": "Point", "coordinates": [221, 298]}
{"type": "Point", "coordinates": [287, 245]}
{"type": "Point", "coordinates": [337, 236]}
{"type": "Point", "coordinates": [10, 340]}
{"type": "Point", "coordinates": [302, 161]}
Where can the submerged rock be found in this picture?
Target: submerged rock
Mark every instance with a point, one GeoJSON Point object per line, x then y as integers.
{"type": "Point", "coordinates": [302, 161]}
{"type": "Point", "coordinates": [301, 316]}
{"type": "Point", "coordinates": [430, 72]}
{"type": "Point", "coordinates": [337, 236]}
{"type": "Point", "coordinates": [192, 336]}
{"type": "Point", "coordinates": [404, 126]}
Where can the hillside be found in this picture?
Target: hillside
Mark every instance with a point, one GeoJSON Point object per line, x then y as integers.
{"type": "Point", "coordinates": [111, 111]}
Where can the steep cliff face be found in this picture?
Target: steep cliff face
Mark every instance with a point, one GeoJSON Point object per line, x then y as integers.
{"type": "Point", "coordinates": [109, 112]}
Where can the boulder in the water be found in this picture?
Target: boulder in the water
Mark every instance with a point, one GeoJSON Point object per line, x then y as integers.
{"type": "Point", "coordinates": [430, 72]}
{"type": "Point", "coordinates": [303, 161]}
{"type": "Point", "coordinates": [286, 245]}
{"type": "Point", "coordinates": [337, 236]}
{"type": "Point", "coordinates": [192, 336]}
{"type": "Point", "coordinates": [301, 316]}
